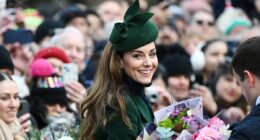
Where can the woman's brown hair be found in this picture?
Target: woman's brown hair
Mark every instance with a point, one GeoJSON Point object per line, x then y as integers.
{"type": "Point", "coordinates": [105, 93]}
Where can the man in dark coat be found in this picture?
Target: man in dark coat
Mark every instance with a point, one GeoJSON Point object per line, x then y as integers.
{"type": "Point", "coordinates": [247, 71]}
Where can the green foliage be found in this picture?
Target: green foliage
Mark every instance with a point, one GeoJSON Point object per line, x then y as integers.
{"type": "Point", "coordinates": [167, 123]}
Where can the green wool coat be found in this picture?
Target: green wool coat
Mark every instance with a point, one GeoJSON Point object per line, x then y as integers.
{"type": "Point", "coordinates": [139, 114]}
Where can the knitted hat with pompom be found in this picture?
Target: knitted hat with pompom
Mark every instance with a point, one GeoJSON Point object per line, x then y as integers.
{"type": "Point", "coordinates": [41, 68]}
{"type": "Point", "coordinates": [46, 84]}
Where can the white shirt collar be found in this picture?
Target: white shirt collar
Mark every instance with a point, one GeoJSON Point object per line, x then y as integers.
{"type": "Point", "coordinates": [257, 100]}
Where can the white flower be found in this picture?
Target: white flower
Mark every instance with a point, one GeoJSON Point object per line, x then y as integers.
{"type": "Point", "coordinates": [189, 113]}
{"type": "Point", "coordinates": [65, 138]}
{"type": "Point", "coordinates": [224, 130]}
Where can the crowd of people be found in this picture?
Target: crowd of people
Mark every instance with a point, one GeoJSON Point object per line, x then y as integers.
{"type": "Point", "coordinates": [131, 59]}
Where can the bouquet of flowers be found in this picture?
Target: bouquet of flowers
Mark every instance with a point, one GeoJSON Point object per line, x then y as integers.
{"type": "Point", "coordinates": [180, 119]}
{"type": "Point", "coordinates": [176, 120]}
{"type": "Point", "coordinates": [184, 121]}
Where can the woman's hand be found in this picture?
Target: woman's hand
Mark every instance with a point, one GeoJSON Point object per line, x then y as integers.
{"type": "Point", "coordinates": [208, 100]}
{"type": "Point", "coordinates": [164, 98]}
{"type": "Point", "coordinates": [25, 122]}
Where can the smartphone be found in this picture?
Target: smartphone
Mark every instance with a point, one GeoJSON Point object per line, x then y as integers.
{"type": "Point", "coordinates": [196, 80]}
{"type": "Point", "coordinates": [22, 36]}
{"type": "Point", "coordinates": [151, 94]}
{"type": "Point", "coordinates": [69, 72]}
{"type": "Point", "coordinates": [24, 108]}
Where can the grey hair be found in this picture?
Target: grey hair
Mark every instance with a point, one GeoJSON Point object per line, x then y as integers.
{"type": "Point", "coordinates": [56, 39]}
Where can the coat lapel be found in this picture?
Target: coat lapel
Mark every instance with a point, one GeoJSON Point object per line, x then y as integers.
{"type": "Point", "coordinates": [142, 108]}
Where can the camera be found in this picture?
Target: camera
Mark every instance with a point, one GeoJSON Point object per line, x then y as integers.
{"type": "Point", "coordinates": [151, 94]}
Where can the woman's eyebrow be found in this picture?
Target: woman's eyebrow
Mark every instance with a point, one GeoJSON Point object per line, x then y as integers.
{"type": "Point", "coordinates": [152, 50]}
{"type": "Point", "coordinates": [137, 51]}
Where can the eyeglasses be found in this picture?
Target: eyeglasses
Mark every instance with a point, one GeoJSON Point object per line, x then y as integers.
{"type": "Point", "coordinates": [202, 22]}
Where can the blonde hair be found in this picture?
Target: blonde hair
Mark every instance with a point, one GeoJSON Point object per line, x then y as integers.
{"type": "Point", "coordinates": [105, 93]}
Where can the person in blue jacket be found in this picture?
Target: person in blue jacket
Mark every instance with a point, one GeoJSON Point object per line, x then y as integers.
{"type": "Point", "coordinates": [247, 72]}
{"type": "Point", "coordinates": [116, 107]}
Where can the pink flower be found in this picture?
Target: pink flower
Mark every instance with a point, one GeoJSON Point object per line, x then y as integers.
{"type": "Point", "coordinates": [216, 123]}
{"type": "Point", "coordinates": [210, 133]}
{"type": "Point", "coordinates": [195, 135]}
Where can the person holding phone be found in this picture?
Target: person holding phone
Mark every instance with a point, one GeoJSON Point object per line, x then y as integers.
{"type": "Point", "coordinates": [177, 78]}
{"type": "Point", "coordinates": [7, 67]}
{"type": "Point", "coordinates": [116, 102]}
{"type": "Point", "coordinates": [10, 128]}
{"type": "Point", "coordinates": [61, 62]}
{"type": "Point", "coordinates": [48, 98]}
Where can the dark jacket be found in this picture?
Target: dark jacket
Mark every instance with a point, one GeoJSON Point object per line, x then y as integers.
{"type": "Point", "coordinates": [249, 128]}
{"type": "Point", "coordinates": [138, 111]}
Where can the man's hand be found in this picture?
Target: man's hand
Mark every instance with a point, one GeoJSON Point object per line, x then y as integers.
{"type": "Point", "coordinates": [75, 91]}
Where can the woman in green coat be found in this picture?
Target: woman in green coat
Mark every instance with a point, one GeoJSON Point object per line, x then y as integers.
{"type": "Point", "coordinates": [116, 107]}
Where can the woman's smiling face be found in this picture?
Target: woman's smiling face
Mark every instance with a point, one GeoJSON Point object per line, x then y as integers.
{"type": "Point", "coordinates": [228, 89]}
{"type": "Point", "coordinates": [9, 101]}
{"type": "Point", "coordinates": [141, 63]}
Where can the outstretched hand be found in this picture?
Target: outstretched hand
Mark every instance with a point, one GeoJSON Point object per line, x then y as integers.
{"type": "Point", "coordinates": [75, 91]}
{"type": "Point", "coordinates": [208, 100]}
{"type": "Point", "coordinates": [233, 114]}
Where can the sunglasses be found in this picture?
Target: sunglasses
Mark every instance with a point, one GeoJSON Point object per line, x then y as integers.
{"type": "Point", "coordinates": [201, 22]}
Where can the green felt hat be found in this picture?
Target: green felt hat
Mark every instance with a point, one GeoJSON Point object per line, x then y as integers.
{"type": "Point", "coordinates": [136, 30]}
